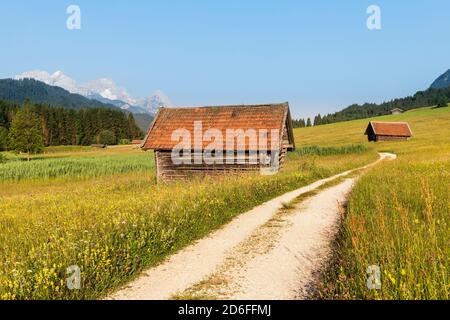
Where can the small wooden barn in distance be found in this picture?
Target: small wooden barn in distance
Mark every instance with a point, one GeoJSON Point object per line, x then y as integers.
{"type": "Point", "coordinates": [137, 143]}
{"type": "Point", "coordinates": [268, 118]}
{"type": "Point", "coordinates": [397, 111]}
{"type": "Point", "coordinates": [385, 131]}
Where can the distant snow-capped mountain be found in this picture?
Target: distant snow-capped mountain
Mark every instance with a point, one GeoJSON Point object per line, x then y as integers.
{"type": "Point", "coordinates": [104, 89]}
{"type": "Point", "coordinates": [154, 102]}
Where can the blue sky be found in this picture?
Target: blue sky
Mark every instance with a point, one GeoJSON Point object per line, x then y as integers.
{"type": "Point", "coordinates": [318, 55]}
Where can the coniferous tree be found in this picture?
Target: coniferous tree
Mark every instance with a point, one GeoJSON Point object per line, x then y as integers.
{"type": "Point", "coordinates": [63, 126]}
{"type": "Point", "coordinates": [3, 138]}
{"type": "Point", "coordinates": [317, 120]}
{"type": "Point", "coordinates": [26, 133]}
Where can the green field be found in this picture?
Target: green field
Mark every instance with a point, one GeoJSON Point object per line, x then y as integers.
{"type": "Point", "coordinates": [103, 211]}
{"type": "Point", "coordinates": [398, 215]}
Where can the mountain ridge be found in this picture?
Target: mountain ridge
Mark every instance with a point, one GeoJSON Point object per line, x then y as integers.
{"type": "Point", "coordinates": [442, 82]}
{"type": "Point", "coordinates": [102, 89]}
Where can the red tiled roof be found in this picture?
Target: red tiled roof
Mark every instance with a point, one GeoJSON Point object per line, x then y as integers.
{"type": "Point", "coordinates": [257, 117]}
{"type": "Point", "coordinates": [399, 129]}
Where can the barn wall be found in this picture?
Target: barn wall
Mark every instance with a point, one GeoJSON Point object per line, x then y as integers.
{"type": "Point", "coordinates": [371, 136]}
{"type": "Point", "coordinates": [390, 138]}
{"type": "Point", "coordinates": [168, 171]}
{"type": "Point", "coordinates": [284, 145]}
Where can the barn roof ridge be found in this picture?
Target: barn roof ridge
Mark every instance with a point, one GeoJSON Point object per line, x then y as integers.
{"type": "Point", "coordinates": [228, 106]}
{"type": "Point", "coordinates": [374, 121]}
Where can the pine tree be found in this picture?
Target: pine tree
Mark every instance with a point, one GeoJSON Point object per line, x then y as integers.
{"type": "Point", "coordinates": [308, 122]}
{"type": "Point", "coordinates": [318, 120]}
{"type": "Point", "coordinates": [3, 138]}
{"type": "Point", "coordinates": [26, 132]}
{"type": "Point", "coordinates": [442, 102]}
{"type": "Point", "coordinates": [133, 130]}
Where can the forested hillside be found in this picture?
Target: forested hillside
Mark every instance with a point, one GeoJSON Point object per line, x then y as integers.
{"type": "Point", "coordinates": [19, 90]}
{"type": "Point", "coordinates": [63, 126]}
{"type": "Point", "coordinates": [436, 95]}
{"type": "Point", "coordinates": [143, 121]}
{"type": "Point", "coordinates": [430, 97]}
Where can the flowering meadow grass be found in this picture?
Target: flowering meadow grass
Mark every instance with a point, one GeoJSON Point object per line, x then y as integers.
{"type": "Point", "coordinates": [114, 224]}
{"type": "Point", "coordinates": [398, 216]}
{"type": "Point", "coordinates": [398, 220]}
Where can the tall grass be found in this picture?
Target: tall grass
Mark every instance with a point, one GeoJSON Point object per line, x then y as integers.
{"type": "Point", "coordinates": [59, 149]}
{"type": "Point", "coordinates": [399, 218]}
{"type": "Point", "coordinates": [331, 150]}
{"type": "Point", "coordinates": [80, 167]}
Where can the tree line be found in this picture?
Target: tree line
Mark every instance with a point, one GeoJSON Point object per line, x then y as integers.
{"type": "Point", "coordinates": [301, 123]}
{"type": "Point", "coordinates": [30, 127]}
{"type": "Point", "coordinates": [430, 97]}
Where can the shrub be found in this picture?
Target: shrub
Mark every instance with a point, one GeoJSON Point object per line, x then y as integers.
{"type": "Point", "coordinates": [124, 141]}
{"type": "Point", "coordinates": [442, 103]}
{"type": "Point", "coordinates": [107, 137]}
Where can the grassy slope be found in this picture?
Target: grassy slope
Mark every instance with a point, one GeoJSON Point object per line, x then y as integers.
{"type": "Point", "coordinates": [398, 215]}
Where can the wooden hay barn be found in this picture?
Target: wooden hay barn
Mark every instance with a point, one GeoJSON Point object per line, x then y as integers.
{"type": "Point", "coordinates": [397, 111]}
{"type": "Point", "coordinates": [137, 143]}
{"type": "Point", "coordinates": [387, 131]}
{"type": "Point", "coordinates": [271, 122]}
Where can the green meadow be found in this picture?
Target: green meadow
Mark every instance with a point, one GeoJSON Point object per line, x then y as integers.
{"type": "Point", "coordinates": [103, 211]}
{"type": "Point", "coordinates": [398, 215]}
